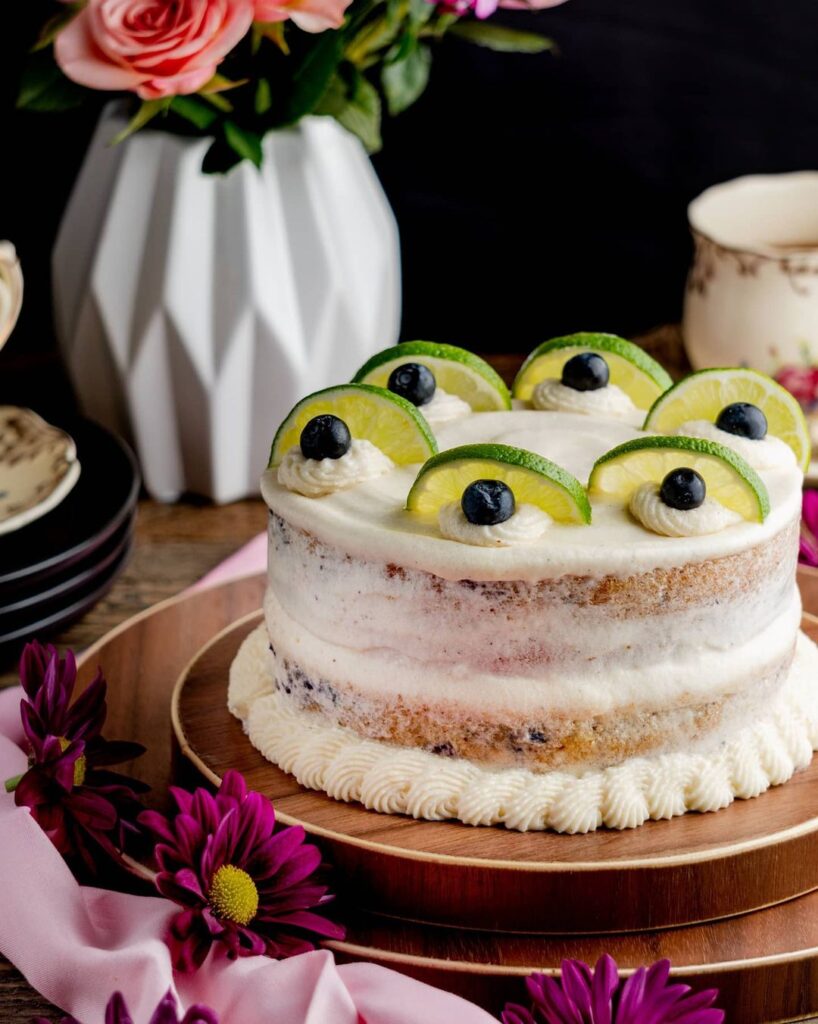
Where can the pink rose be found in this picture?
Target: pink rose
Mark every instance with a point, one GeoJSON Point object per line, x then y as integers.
{"type": "Point", "coordinates": [154, 48]}
{"type": "Point", "coordinates": [800, 381]}
{"type": "Point", "coordinates": [309, 15]}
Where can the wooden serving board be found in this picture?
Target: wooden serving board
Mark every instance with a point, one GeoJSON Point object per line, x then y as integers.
{"type": "Point", "coordinates": [766, 962]}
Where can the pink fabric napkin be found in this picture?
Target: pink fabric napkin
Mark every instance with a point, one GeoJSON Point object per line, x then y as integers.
{"type": "Point", "coordinates": [247, 561]}
{"type": "Point", "coordinates": [76, 944]}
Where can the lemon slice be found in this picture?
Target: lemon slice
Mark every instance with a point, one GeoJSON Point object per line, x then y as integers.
{"type": "Point", "coordinates": [729, 479]}
{"type": "Point", "coordinates": [374, 414]}
{"type": "Point", "coordinates": [632, 369]}
{"type": "Point", "coordinates": [457, 371]}
{"type": "Point", "coordinates": [703, 395]}
{"type": "Point", "coordinates": [533, 480]}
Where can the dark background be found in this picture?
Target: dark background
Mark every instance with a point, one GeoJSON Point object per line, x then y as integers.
{"type": "Point", "coordinates": [535, 194]}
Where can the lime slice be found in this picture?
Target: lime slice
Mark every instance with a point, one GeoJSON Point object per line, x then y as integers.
{"type": "Point", "coordinates": [703, 395]}
{"type": "Point", "coordinates": [632, 369]}
{"type": "Point", "coordinates": [533, 479]}
{"type": "Point", "coordinates": [374, 414]}
{"type": "Point", "coordinates": [456, 370]}
{"type": "Point", "coordinates": [729, 479]}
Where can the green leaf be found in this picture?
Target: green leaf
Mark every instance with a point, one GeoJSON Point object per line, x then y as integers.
{"type": "Point", "coordinates": [218, 101]}
{"type": "Point", "coordinates": [420, 11]}
{"type": "Point", "coordinates": [44, 87]}
{"type": "Point", "coordinates": [405, 79]}
{"type": "Point", "coordinates": [334, 99]}
{"type": "Point", "coordinates": [362, 114]}
{"type": "Point", "coordinates": [314, 75]}
{"type": "Point", "coordinates": [55, 24]}
{"type": "Point", "coordinates": [147, 111]}
{"type": "Point", "coordinates": [439, 26]}
{"type": "Point", "coordinates": [194, 110]}
{"type": "Point", "coordinates": [375, 36]}
{"type": "Point", "coordinates": [498, 37]}
{"type": "Point", "coordinates": [396, 11]}
{"type": "Point", "coordinates": [264, 97]}
{"type": "Point", "coordinates": [272, 30]}
{"type": "Point", "coordinates": [218, 83]}
{"type": "Point", "coordinates": [246, 144]}
{"type": "Point", "coordinates": [220, 158]}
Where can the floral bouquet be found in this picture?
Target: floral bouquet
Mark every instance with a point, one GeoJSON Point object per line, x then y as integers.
{"type": "Point", "coordinates": [235, 69]}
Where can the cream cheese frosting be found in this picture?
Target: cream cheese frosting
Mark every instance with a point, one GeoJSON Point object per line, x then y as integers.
{"type": "Point", "coordinates": [766, 453]}
{"type": "Point", "coordinates": [369, 521]}
{"type": "Point", "coordinates": [314, 478]}
{"type": "Point", "coordinates": [395, 780]}
{"type": "Point", "coordinates": [444, 407]}
{"type": "Point", "coordinates": [551, 394]}
{"type": "Point", "coordinates": [710, 517]}
{"type": "Point", "coordinates": [688, 662]}
{"type": "Point", "coordinates": [526, 525]}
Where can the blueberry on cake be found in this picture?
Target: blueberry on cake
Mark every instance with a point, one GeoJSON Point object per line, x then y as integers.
{"type": "Point", "coordinates": [567, 607]}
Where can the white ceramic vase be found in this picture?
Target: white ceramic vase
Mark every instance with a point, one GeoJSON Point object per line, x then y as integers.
{"type": "Point", "coordinates": [194, 310]}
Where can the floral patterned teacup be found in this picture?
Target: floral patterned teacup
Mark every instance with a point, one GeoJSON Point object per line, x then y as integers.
{"type": "Point", "coordinates": [752, 291]}
{"type": "Point", "coordinates": [11, 290]}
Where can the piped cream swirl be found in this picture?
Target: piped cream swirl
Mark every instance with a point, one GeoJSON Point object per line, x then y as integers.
{"type": "Point", "coordinates": [611, 401]}
{"type": "Point", "coordinates": [444, 407]}
{"type": "Point", "coordinates": [397, 780]}
{"type": "Point", "coordinates": [526, 525]}
{"type": "Point", "coordinates": [314, 477]}
{"type": "Point", "coordinates": [766, 453]}
{"type": "Point", "coordinates": [710, 517]}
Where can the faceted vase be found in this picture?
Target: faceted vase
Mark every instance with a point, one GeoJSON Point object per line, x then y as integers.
{"type": "Point", "coordinates": [194, 310]}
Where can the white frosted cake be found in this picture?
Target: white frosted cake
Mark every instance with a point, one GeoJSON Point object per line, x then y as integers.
{"type": "Point", "coordinates": [527, 667]}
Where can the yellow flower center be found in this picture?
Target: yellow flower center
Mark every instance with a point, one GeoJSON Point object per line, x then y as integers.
{"type": "Point", "coordinates": [79, 764]}
{"type": "Point", "coordinates": [233, 894]}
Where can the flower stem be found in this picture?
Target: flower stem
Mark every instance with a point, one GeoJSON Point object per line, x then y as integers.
{"type": "Point", "coordinates": [137, 869]}
{"type": "Point", "coordinates": [12, 783]}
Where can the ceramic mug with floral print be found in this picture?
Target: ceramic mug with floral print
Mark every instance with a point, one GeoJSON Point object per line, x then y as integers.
{"type": "Point", "coordinates": [752, 291]}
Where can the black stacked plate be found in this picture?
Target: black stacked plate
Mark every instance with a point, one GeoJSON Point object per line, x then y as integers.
{"type": "Point", "coordinates": [57, 567]}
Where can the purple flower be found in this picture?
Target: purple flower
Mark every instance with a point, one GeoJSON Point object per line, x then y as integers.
{"type": "Point", "coordinates": [244, 889]}
{"type": "Point", "coordinates": [483, 9]}
{"type": "Point", "coordinates": [48, 682]}
{"type": "Point", "coordinates": [68, 788]}
{"type": "Point", "coordinates": [116, 1012]}
{"type": "Point", "coordinates": [808, 551]}
{"type": "Point", "coordinates": [583, 996]}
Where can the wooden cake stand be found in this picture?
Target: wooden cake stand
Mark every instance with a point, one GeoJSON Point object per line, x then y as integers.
{"type": "Point", "coordinates": [731, 898]}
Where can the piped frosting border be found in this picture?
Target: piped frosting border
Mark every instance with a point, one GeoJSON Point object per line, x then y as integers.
{"type": "Point", "coordinates": [397, 780]}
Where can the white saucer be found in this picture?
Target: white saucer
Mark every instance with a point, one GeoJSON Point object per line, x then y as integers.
{"type": "Point", "coordinates": [38, 467]}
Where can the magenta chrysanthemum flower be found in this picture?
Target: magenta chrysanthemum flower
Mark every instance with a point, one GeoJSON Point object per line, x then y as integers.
{"type": "Point", "coordinates": [244, 889]}
{"type": "Point", "coordinates": [116, 1012]}
{"type": "Point", "coordinates": [808, 552]}
{"type": "Point", "coordinates": [583, 996]}
{"type": "Point", "coordinates": [67, 787]}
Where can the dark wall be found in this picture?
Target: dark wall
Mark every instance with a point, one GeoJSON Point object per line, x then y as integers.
{"type": "Point", "coordinates": [541, 194]}
{"type": "Point", "coordinates": [535, 194]}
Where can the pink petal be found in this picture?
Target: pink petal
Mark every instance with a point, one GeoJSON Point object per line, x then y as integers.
{"type": "Point", "coordinates": [606, 979]}
{"type": "Point", "coordinates": [277, 850]}
{"type": "Point", "coordinates": [81, 60]}
{"type": "Point", "coordinates": [313, 923]}
{"type": "Point", "coordinates": [116, 1012]}
{"type": "Point", "coordinates": [176, 85]}
{"type": "Point", "coordinates": [233, 785]}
